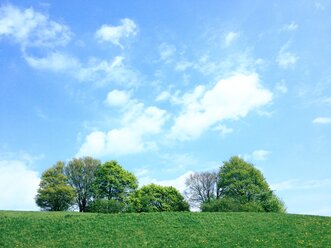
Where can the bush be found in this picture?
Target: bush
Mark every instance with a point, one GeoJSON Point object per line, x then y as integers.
{"type": "Point", "coordinates": [274, 204]}
{"type": "Point", "coordinates": [106, 206]}
{"type": "Point", "coordinates": [231, 205]}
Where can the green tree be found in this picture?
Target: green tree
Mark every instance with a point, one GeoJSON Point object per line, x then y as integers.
{"type": "Point", "coordinates": [155, 198]}
{"type": "Point", "coordinates": [113, 182]}
{"type": "Point", "coordinates": [241, 181]}
{"type": "Point", "coordinates": [242, 187]}
{"type": "Point", "coordinates": [54, 193]}
{"type": "Point", "coordinates": [81, 175]}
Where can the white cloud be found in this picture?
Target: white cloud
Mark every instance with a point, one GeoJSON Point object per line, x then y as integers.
{"type": "Point", "coordinates": [290, 27]}
{"type": "Point", "coordinates": [230, 38]}
{"type": "Point", "coordinates": [32, 29]}
{"type": "Point", "coordinates": [322, 120]}
{"type": "Point", "coordinates": [138, 124]}
{"type": "Point", "coordinates": [178, 183]}
{"type": "Point", "coordinates": [301, 184]}
{"type": "Point", "coordinates": [100, 72]}
{"type": "Point", "coordinates": [117, 98]}
{"type": "Point", "coordinates": [167, 51]}
{"type": "Point", "coordinates": [260, 154]}
{"type": "Point", "coordinates": [103, 72]}
{"type": "Point", "coordinates": [57, 62]}
{"type": "Point", "coordinates": [18, 185]}
{"type": "Point", "coordinates": [230, 98]}
{"type": "Point", "coordinates": [114, 34]}
{"type": "Point", "coordinates": [223, 129]}
{"type": "Point", "coordinates": [286, 59]}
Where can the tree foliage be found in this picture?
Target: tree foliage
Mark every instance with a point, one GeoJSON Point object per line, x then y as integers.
{"type": "Point", "coordinates": [112, 182]}
{"type": "Point", "coordinates": [201, 187]}
{"type": "Point", "coordinates": [81, 175]}
{"type": "Point", "coordinates": [155, 198]}
{"type": "Point", "coordinates": [241, 181]}
{"type": "Point", "coordinates": [54, 193]}
{"type": "Point", "coordinates": [242, 187]}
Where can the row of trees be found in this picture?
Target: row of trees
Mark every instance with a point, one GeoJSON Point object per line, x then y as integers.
{"type": "Point", "coordinates": [94, 187]}
{"type": "Point", "coordinates": [237, 186]}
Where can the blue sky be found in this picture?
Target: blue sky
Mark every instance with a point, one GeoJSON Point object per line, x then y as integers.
{"type": "Point", "coordinates": [168, 88]}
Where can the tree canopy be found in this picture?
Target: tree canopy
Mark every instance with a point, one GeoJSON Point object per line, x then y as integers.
{"type": "Point", "coordinates": [156, 198]}
{"type": "Point", "coordinates": [113, 182]}
{"type": "Point", "coordinates": [54, 193]}
{"type": "Point", "coordinates": [81, 176]}
{"type": "Point", "coordinates": [242, 187]}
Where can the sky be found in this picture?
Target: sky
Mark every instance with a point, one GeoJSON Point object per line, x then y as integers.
{"type": "Point", "coordinates": [168, 88]}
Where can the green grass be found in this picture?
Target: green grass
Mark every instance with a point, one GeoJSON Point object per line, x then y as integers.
{"type": "Point", "coordinates": [68, 229]}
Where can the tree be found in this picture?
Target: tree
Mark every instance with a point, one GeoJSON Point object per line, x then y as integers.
{"type": "Point", "coordinates": [81, 174]}
{"type": "Point", "coordinates": [54, 193]}
{"type": "Point", "coordinates": [241, 181]}
{"type": "Point", "coordinates": [112, 182]}
{"type": "Point", "coordinates": [243, 188]}
{"type": "Point", "coordinates": [155, 198]}
{"type": "Point", "coordinates": [201, 187]}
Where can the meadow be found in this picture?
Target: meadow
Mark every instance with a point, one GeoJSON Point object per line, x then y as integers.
{"type": "Point", "coordinates": [176, 229]}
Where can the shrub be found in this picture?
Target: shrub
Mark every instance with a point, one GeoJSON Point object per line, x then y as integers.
{"type": "Point", "coordinates": [106, 206]}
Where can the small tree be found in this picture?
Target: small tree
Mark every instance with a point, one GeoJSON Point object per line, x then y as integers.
{"type": "Point", "coordinates": [201, 187]}
{"type": "Point", "coordinates": [112, 182]}
{"type": "Point", "coordinates": [155, 198]}
{"type": "Point", "coordinates": [54, 193]}
{"type": "Point", "coordinates": [81, 175]}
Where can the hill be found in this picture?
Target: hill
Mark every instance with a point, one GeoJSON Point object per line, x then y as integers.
{"type": "Point", "coordinates": [70, 229]}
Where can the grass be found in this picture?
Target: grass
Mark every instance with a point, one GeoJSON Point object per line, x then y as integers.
{"type": "Point", "coordinates": [69, 229]}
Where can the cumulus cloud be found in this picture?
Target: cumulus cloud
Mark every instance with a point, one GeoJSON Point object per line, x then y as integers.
{"type": "Point", "coordinates": [286, 59]}
{"type": "Point", "coordinates": [178, 182]}
{"type": "Point", "coordinates": [115, 34]}
{"type": "Point", "coordinates": [18, 185]}
{"type": "Point", "coordinates": [138, 124]}
{"type": "Point", "coordinates": [322, 120]}
{"type": "Point", "coordinates": [117, 98]}
{"type": "Point", "coordinates": [230, 98]}
{"type": "Point", "coordinates": [230, 38]}
{"type": "Point", "coordinates": [30, 28]}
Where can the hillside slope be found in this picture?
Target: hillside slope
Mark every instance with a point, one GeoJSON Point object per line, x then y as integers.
{"type": "Point", "coordinates": [68, 229]}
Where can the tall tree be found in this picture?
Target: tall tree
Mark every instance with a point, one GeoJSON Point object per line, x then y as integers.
{"type": "Point", "coordinates": [155, 198]}
{"type": "Point", "coordinates": [201, 187]}
{"type": "Point", "coordinates": [113, 182]}
{"type": "Point", "coordinates": [54, 193]}
{"type": "Point", "coordinates": [81, 175]}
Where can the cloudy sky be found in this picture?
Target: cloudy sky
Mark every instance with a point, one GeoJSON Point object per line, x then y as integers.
{"type": "Point", "coordinates": [168, 88]}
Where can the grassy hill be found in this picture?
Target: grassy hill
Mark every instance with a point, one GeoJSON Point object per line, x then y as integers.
{"type": "Point", "coordinates": [67, 229]}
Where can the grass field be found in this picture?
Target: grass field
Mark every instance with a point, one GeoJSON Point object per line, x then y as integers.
{"type": "Point", "coordinates": [68, 229]}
